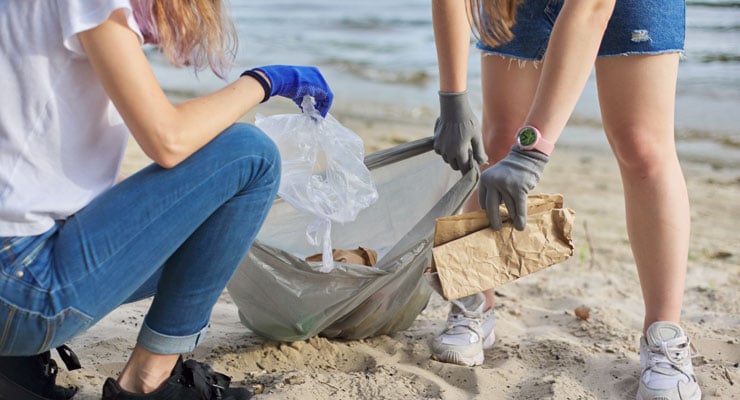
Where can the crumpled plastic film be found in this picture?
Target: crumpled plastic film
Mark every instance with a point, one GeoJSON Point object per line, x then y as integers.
{"type": "Point", "coordinates": [323, 173]}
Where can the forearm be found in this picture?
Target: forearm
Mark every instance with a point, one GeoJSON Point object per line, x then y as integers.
{"type": "Point", "coordinates": [570, 56]}
{"type": "Point", "coordinates": [167, 133]}
{"type": "Point", "coordinates": [195, 122]}
{"type": "Point", "coordinates": [452, 40]}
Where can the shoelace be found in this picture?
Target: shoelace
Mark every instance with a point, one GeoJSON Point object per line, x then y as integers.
{"type": "Point", "coordinates": [464, 319]}
{"type": "Point", "coordinates": [671, 356]}
{"type": "Point", "coordinates": [210, 384]}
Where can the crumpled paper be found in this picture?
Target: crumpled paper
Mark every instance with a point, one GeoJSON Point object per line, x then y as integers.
{"type": "Point", "coordinates": [469, 257]}
{"type": "Point", "coordinates": [360, 256]}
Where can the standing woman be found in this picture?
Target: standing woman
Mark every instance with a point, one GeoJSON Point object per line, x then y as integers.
{"type": "Point", "coordinates": [537, 57]}
{"type": "Point", "coordinates": [74, 244]}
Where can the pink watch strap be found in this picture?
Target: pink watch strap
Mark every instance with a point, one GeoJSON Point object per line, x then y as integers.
{"type": "Point", "coordinates": [544, 146]}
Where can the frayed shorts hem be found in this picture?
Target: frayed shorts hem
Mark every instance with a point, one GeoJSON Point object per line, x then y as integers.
{"type": "Point", "coordinates": [643, 53]}
{"type": "Point", "coordinates": [537, 61]}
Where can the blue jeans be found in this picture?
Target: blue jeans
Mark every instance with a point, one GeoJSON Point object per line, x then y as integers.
{"type": "Point", "coordinates": [635, 27]}
{"type": "Point", "coordinates": [176, 234]}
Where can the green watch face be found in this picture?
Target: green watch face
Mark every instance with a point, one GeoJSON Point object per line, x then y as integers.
{"type": "Point", "coordinates": [527, 137]}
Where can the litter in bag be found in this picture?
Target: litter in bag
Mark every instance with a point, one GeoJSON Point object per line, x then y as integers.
{"type": "Point", "coordinates": [323, 173]}
{"type": "Point", "coordinates": [282, 297]}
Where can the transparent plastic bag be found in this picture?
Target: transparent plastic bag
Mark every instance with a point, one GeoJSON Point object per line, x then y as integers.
{"type": "Point", "coordinates": [323, 173]}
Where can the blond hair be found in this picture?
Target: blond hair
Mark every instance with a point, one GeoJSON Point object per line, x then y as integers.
{"type": "Point", "coordinates": [492, 20]}
{"type": "Point", "coordinates": [194, 33]}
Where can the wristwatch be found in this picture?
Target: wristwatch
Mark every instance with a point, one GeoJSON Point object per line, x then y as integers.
{"type": "Point", "coordinates": [529, 138]}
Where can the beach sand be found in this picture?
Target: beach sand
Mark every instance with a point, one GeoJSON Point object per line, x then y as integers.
{"type": "Point", "coordinates": [542, 351]}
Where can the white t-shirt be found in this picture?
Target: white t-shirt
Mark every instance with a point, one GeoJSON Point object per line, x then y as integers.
{"type": "Point", "coordinates": [61, 138]}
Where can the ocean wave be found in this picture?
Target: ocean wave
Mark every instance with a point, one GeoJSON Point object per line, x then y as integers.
{"type": "Point", "coordinates": [716, 3]}
{"type": "Point", "coordinates": [720, 57]}
{"type": "Point", "coordinates": [370, 72]}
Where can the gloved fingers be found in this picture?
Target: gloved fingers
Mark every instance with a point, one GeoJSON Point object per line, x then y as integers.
{"type": "Point", "coordinates": [321, 100]}
{"type": "Point", "coordinates": [324, 100]}
{"type": "Point", "coordinates": [453, 161]}
{"type": "Point", "coordinates": [520, 216]}
{"type": "Point", "coordinates": [463, 160]}
{"type": "Point", "coordinates": [489, 200]}
{"type": "Point", "coordinates": [478, 151]}
{"type": "Point", "coordinates": [516, 204]}
{"type": "Point", "coordinates": [464, 168]}
{"type": "Point", "coordinates": [437, 145]}
{"type": "Point", "coordinates": [321, 92]}
{"type": "Point", "coordinates": [510, 206]}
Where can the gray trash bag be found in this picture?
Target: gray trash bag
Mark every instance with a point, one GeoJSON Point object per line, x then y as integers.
{"type": "Point", "coordinates": [282, 297]}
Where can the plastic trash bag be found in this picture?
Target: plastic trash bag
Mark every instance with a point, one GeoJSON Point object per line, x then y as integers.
{"type": "Point", "coordinates": [323, 173]}
{"type": "Point", "coordinates": [283, 297]}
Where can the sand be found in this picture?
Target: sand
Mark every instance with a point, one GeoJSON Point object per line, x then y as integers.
{"type": "Point", "coordinates": [543, 350]}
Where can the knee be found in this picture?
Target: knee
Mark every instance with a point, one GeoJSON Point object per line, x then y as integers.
{"type": "Point", "coordinates": [643, 154]}
{"type": "Point", "coordinates": [248, 143]}
{"type": "Point", "coordinates": [251, 140]}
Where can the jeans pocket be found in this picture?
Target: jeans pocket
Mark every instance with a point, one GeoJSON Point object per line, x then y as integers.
{"type": "Point", "coordinates": [20, 255]}
{"type": "Point", "coordinates": [26, 332]}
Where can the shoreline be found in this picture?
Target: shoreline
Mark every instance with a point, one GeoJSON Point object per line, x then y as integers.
{"type": "Point", "coordinates": [543, 351]}
{"type": "Point", "coordinates": [705, 122]}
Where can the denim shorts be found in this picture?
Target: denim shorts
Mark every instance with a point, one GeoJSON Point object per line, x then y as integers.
{"type": "Point", "coordinates": [635, 27]}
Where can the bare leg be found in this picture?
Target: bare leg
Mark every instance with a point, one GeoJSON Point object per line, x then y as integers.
{"type": "Point", "coordinates": [508, 90]}
{"type": "Point", "coordinates": [146, 371]}
{"type": "Point", "coordinates": [637, 97]}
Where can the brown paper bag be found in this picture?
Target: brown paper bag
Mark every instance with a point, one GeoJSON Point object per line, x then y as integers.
{"type": "Point", "coordinates": [360, 256]}
{"type": "Point", "coordinates": [469, 257]}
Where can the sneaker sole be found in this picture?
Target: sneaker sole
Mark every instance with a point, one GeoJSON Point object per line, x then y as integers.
{"type": "Point", "coordinates": [455, 357]}
{"type": "Point", "coordinates": [697, 397]}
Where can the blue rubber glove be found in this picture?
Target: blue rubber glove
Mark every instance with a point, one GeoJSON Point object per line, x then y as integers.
{"type": "Point", "coordinates": [294, 82]}
{"type": "Point", "coordinates": [509, 181]}
{"type": "Point", "coordinates": [457, 136]}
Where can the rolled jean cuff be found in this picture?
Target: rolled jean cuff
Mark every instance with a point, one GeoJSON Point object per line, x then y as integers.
{"type": "Point", "coordinates": [164, 344]}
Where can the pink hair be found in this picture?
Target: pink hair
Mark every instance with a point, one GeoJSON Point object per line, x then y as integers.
{"type": "Point", "coordinates": [144, 18]}
{"type": "Point", "coordinates": [189, 32]}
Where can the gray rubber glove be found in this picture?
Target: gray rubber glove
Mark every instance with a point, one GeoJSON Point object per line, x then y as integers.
{"type": "Point", "coordinates": [457, 136]}
{"type": "Point", "coordinates": [509, 181]}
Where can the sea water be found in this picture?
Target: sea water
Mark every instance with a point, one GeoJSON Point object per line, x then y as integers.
{"type": "Point", "coordinates": [381, 54]}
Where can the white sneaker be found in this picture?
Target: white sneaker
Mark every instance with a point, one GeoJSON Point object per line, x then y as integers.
{"type": "Point", "coordinates": [469, 331]}
{"type": "Point", "coordinates": [667, 373]}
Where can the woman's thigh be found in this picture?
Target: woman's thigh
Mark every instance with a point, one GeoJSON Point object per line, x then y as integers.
{"type": "Point", "coordinates": [637, 100]}
{"type": "Point", "coordinates": [111, 250]}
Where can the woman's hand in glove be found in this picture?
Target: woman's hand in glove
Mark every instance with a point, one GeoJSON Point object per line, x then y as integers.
{"type": "Point", "coordinates": [509, 181]}
{"type": "Point", "coordinates": [294, 82]}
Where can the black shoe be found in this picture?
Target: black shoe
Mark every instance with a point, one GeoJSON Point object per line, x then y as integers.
{"type": "Point", "coordinates": [34, 377]}
{"type": "Point", "coordinates": [190, 380]}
